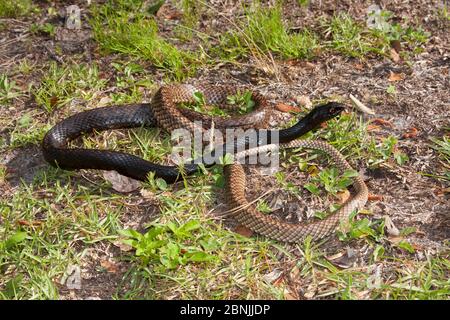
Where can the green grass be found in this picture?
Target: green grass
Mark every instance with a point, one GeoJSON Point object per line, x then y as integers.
{"type": "Point", "coordinates": [442, 146]}
{"type": "Point", "coordinates": [136, 34]}
{"type": "Point", "coordinates": [64, 219]}
{"type": "Point", "coordinates": [60, 85]}
{"type": "Point", "coordinates": [350, 38]}
{"type": "Point", "coordinates": [8, 89]}
{"type": "Point", "coordinates": [15, 8]}
{"type": "Point", "coordinates": [262, 31]}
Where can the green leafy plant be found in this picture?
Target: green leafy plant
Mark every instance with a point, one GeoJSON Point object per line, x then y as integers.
{"type": "Point", "coordinates": [263, 31]}
{"type": "Point", "coordinates": [13, 240]}
{"type": "Point", "coordinates": [171, 245]}
{"type": "Point", "coordinates": [331, 180]}
{"type": "Point", "coordinates": [8, 89]}
{"type": "Point", "coordinates": [363, 228]}
{"type": "Point", "coordinates": [119, 28]}
{"type": "Point", "coordinates": [61, 84]}
{"type": "Point", "coordinates": [243, 101]}
{"type": "Point", "coordinates": [46, 29]}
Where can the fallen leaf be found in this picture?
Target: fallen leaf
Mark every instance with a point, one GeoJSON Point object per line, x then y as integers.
{"type": "Point", "coordinates": [147, 194]}
{"type": "Point", "coordinates": [395, 240]}
{"type": "Point", "coordinates": [104, 101]}
{"type": "Point", "coordinates": [372, 127]}
{"type": "Point", "coordinates": [29, 223]}
{"type": "Point", "coordinates": [335, 256]}
{"type": "Point", "coordinates": [54, 101]}
{"type": "Point", "coordinates": [382, 122]}
{"type": "Point", "coordinates": [310, 291]}
{"type": "Point", "coordinates": [121, 183]}
{"type": "Point", "coordinates": [359, 105]}
{"type": "Point", "coordinates": [273, 276]}
{"type": "Point", "coordinates": [344, 259]}
{"type": "Point", "coordinates": [287, 108]}
{"type": "Point", "coordinates": [395, 77]}
{"type": "Point", "coordinates": [359, 66]}
{"type": "Point", "coordinates": [374, 197]}
{"type": "Point", "coordinates": [411, 133]}
{"type": "Point", "coordinates": [122, 246]}
{"type": "Point", "coordinates": [109, 266]}
{"type": "Point", "coordinates": [394, 55]}
{"type": "Point", "coordinates": [304, 101]}
{"type": "Point", "coordinates": [391, 229]}
{"type": "Point", "coordinates": [243, 231]}
{"type": "Point", "coordinates": [168, 13]}
{"type": "Point", "coordinates": [290, 296]}
{"type": "Point", "coordinates": [396, 45]}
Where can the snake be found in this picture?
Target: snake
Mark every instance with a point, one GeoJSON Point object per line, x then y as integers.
{"type": "Point", "coordinates": [247, 215]}
{"type": "Point", "coordinates": [164, 111]}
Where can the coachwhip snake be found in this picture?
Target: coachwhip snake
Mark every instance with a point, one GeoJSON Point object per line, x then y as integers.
{"type": "Point", "coordinates": [163, 111]}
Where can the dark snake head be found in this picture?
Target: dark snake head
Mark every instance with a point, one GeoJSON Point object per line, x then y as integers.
{"type": "Point", "coordinates": [327, 111]}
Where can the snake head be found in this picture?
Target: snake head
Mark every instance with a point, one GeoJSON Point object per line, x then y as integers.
{"type": "Point", "coordinates": [327, 111]}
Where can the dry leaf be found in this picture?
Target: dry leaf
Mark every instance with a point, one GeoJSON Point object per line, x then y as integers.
{"type": "Point", "coordinates": [394, 55]}
{"type": "Point", "coordinates": [372, 127]}
{"type": "Point", "coordinates": [243, 231]}
{"type": "Point", "coordinates": [311, 291]}
{"type": "Point", "coordinates": [335, 256]}
{"type": "Point", "coordinates": [411, 133]}
{"type": "Point", "coordinates": [287, 108]}
{"type": "Point", "coordinates": [359, 105]}
{"type": "Point", "coordinates": [343, 259]}
{"type": "Point", "coordinates": [374, 197]}
{"type": "Point", "coordinates": [304, 101]}
{"type": "Point", "coordinates": [54, 101]}
{"type": "Point", "coordinates": [122, 246]}
{"type": "Point", "coordinates": [147, 194]}
{"type": "Point", "coordinates": [391, 229]}
{"type": "Point", "coordinates": [290, 295]}
{"type": "Point", "coordinates": [166, 12]}
{"type": "Point", "coordinates": [121, 183]}
{"type": "Point", "coordinates": [381, 122]}
{"type": "Point", "coordinates": [109, 266]}
{"type": "Point", "coordinates": [273, 276]}
{"type": "Point", "coordinates": [359, 66]}
{"type": "Point", "coordinates": [104, 101]}
{"type": "Point", "coordinates": [396, 45]}
{"type": "Point", "coordinates": [395, 77]}
{"type": "Point", "coordinates": [29, 223]}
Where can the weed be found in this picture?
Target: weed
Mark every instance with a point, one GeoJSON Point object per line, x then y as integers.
{"type": "Point", "coordinates": [28, 130]}
{"type": "Point", "coordinates": [264, 31]}
{"type": "Point", "coordinates": [61, 85]}
{"type": "Point", "coordinates": [8, 89]}
{"type": "Point", "coordinates": [117, 31]}
{"type": "Point", "coordinates": [243, 101]}
{"type": "Point", "coordinates": [442, 146]}
{"type": "Point", "coordinates": [170, 245]}
{"type": "Point", "coordinates": [46, 29]}
{"type": "Point", "coordinates": [352, 39]}
{"type": "Point", "coordinates": [15, 8]}
{"type": "Point", "coordinates": [330, 179]}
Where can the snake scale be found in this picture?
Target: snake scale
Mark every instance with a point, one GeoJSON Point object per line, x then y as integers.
{"type": "Point", "coordinates": [248, 216]}
{"type": "Point", "coordinates": [164, 112]}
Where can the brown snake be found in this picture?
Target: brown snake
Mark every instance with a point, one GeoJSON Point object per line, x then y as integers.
{"type": "Point", "coordinates": [251, 218]}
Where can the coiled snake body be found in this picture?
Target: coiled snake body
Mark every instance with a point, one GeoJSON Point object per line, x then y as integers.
{"type": "Point", "coordinates": [163, 111]}
{"type": "Point", "coordinates": [248, 216]}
